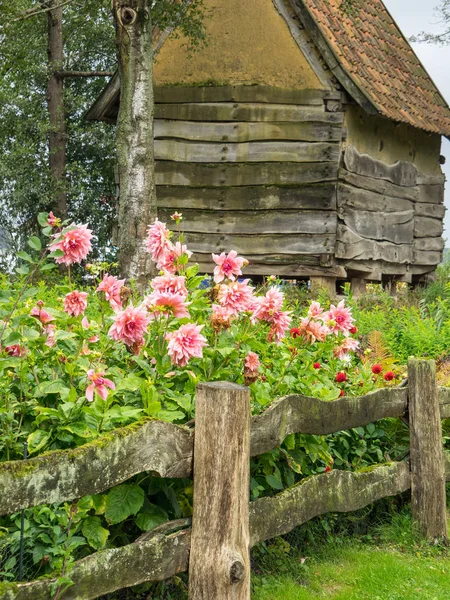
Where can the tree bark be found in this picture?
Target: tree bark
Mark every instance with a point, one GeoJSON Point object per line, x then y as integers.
{"type": "Point", "coordinates": [55, 101]}
{"type": "Point", "coordinates": [137, 205]}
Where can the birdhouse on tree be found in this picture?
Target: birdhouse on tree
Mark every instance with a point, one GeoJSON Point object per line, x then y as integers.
{"type": "Point", "coordinates": [305, 138]}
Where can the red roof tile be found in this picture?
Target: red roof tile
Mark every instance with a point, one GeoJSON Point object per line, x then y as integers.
{"type": "Point", "coordinates": [378, 59]}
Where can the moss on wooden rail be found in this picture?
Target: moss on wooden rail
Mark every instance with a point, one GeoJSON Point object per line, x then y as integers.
{"type": "Point", "coordinates": [161, 557]}
{"type": "Point", "coordinates": [166, 449]}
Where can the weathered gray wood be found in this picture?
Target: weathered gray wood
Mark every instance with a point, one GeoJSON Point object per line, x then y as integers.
{"type": "Point", "coordinates": [401, 173]}
{"type": "Point", "coordinates": [263, 244]}
{"type": "Point", "coordinates": [219, 565]}
{"type": "Point", "coordinates": [337, 491]}
{"type": "Point", "coordinates": [435, 244]}
{"type": "Point", "coordinates": [359, 199]}
{"type": "Point", "coordinates": [350, 245]}
{"type": "Point", "coordinates": [256, 222]}
{"type": "Point", "coordinates": [319, 195]}
{"type": "Point", "coordinates": [247, 131]}
{"type": "Point", "coordinates": [96, 466]}
{"type": "Point", "coordinates": [380, 186]}
{"type": "Point", "coordinates": [428, 501]}
{"type": "Point", "coordinates": [106, 571]}
{"type": "Point", "coordinates": [316, 417]}
{"type": "Point", "coordinates": [284, 268]}
{"type": "Point", "coordinates": [432, 193]}
{"type": "Point", "coordinates": [209, 152]}
{"type": "Point", "coordinates": [444, 402]}
{"type": "Point", "coordinates": [422, 209]}
{"type": "Point", "coordinates": [226, 175]}
{"type": "Point", "coordinates": [322, 282]}
{"type": "Point", "coordinates": [425, 227]}
{"type": "Point", "coordinates": [210, 111]}
{"type": "Point", "coordinates": [396, 227]}
{"type": "Point", "coordinates": [242, 93]}
{"type": "Point", "coordinates": [424, 257]}
{"type": "Point", "coordinates": [358, 286]}
{"type": "Point", "coordinates": [425, 180]}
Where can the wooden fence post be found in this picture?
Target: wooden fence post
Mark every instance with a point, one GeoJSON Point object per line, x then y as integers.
{"type": "Point", "coordinates": [427, 452]}
{"type": "Point", "coordinates": [219, 567]}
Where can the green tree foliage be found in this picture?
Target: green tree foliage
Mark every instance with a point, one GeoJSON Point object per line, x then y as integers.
{"type": "Point", "coordinates": [89, 45]}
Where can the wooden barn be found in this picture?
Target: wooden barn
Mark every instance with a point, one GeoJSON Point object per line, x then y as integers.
{"type": "Point", "coordinates": [305, 138]}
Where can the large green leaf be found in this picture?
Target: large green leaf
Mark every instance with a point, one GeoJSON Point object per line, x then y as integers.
{"type": "Point", "coordinates": [35, 243]}
{"type": "Point", "coordinates": [51, 387]}
{"type": "Point", "coordinates": [37, 440]}
{"type": "Point", "coordinates": [123, 501]}
{"type": "Point", "coordinates": [151, 517]}
{"type": "Point", "coordinates": [95, 534]}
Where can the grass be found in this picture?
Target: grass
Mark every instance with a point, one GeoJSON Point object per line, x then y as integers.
{"type": "Point", "coordinates": [389, 562]}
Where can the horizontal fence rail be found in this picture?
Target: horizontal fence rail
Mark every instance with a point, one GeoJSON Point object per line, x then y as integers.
{"type": "Point", "coordinates": [167, 450]}
{"type": "Point", "coordinates": [163, 553]}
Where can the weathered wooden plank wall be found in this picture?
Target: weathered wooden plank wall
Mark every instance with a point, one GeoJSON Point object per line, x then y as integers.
{"type": "Point", "coordinates": [390, 216]}
{"type": "Point", "coordinates": [252, 169]}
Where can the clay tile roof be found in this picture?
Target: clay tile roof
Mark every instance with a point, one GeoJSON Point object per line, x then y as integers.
{"type": "Point", "coordinates": [374, 56]}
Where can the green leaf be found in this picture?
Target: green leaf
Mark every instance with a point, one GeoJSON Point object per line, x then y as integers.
{"type": "Point", "coordinates": [51, 387]}
{"type": "Point", "coordinates": [151, 517]}
{"type": "Point", "coordinates": [80, 429]}
{"type": "Point", "coordinates": [35, 243]}
{"type": "Point", "coordinates": [29, 333]}
{"type": "Point", "coordinates": [37, 440]}
{"type": "Point", "coordinates": [123, 501]}
{"type": "Point", "coordinates": [289, 442]}
{"type": "Point", "coordinates": [371, 428]}
{"type": "Point", "coordinates": [184, 402]}
{"type": "Point", "coordinates": [130, 383]}
{"type": "Point", "coordinates": [43, 219]}
{"type": "Point", "coordinates": [25, 256]}
{"type": "Point", "coordinates": [95, 534]}
{"type": "Point", "coordinates": [23, 270]}
{"type": "Point", "coordinates": [170, 415]}
{"type": "Point", "coordinates": [47, 267]}
{"type": "Point", "coordinates": [13, 338]}
{"type": "Point", "coordinates": [274, 482]}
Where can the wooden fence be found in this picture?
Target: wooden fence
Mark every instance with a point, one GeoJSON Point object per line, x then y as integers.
{"type": "Point", "coordinates": [225, 525]}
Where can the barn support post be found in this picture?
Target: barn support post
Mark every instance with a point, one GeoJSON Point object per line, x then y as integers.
{"type": "Point", "coordinates": [319, 283]}
{"type": "Point", "coordinates": [427, 452]}
{"type": "Point", "coordinates": [219, 564]}
{"type": "Point", "coordinates": [358, 286]}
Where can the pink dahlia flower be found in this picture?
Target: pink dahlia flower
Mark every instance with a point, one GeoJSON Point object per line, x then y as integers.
{"type": "Point", "coordinates": [268, 305]}
{"type": "Point", "coordinates": [347, 346]}
{"type": "Point", "coordinates": [74, 242]}
{"type": "Point", "coordinates": [170, 261]}
{"type": "Point", "coordinates": [313, 331]}
{"type": "Point", "coordinates": [237, 296]}
{"type": "Point", "coordinates": [99, 384]}
{"type": "Point", "coordinates": [167, 304]}
{"type": "Point", "coordinates": [75, 303]}
{"type": "Point", "coordinates": [43, 316]}
{"type": "Point", "coordinates": [112, 286]}
{"type": "Point", "coordinates": [185, 343]}
{"type": "Point", "coordinates": [339, 318]}
{"type": "Point", "coordinates": [228, 266]}
{"type": "Point", "coordinates": [158, 242]}
{"type": "Point", "coordinates": [252, 363]}
{"type": "Point", "coordinates": [221, 317]}
{"type": "Point", "coordinates": [130, 325]}
{"type": "Point", "coordinates": [52, 220]}
{"type": "Point", "coordinates": [281, 322]}
{"type": "Point", "coordinates": [15, 350]}
{"type": "Point", "coordinates": [315, 310]}
{"type": "Point", "coordinates": [170, 284]}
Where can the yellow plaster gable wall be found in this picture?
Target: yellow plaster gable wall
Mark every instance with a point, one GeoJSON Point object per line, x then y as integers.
{"type": "Point", "coordinates": [248, 43]}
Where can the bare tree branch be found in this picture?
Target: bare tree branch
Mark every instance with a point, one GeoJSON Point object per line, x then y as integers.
{"type": "Point", "coordinates": [39, 9]}
{"type": "Point", "coordinates": [65, 74]}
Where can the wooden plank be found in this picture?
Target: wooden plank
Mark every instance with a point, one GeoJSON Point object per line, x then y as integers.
{"type": "Point", "coordinates": [424, 257]}
{"type": "Point", "coordinates": [350, 245]}
{"type": "Point", "coordinates": [428, 227]}
{"type": "Point", "coordinates": [437, 211]}
{"type": "Point", "coordinates": [219, 565]}
{"type": "Point", "coordinates": [435, 244]}
{"type": "Point", "coordinates": [106, 571]}
{"type": "Point", "coordinates": [337, 491]}
{"type": "Point", "coordinates": [380, 186]}
{"type": "Point", "coordinates": [396, 227]}
{"type": "Point", "coordinates": [425, 180]}
{"type": "Point", "coordinates": [263, 244]}
{"type": "Point", "coordinates": [242, 93]}
{"type": "Point", "coordinates": [303, 260]}
{"type": "Point", "coordinates": [256, 222]}
{"type": "Point", "coordinates": [432, 193]}
{"type": "Point", "coordinates": [316, 417]}
{"type": "Point", "coordinates": [316, 196]}
{"type": "Point", "coordinates": [230, 175]}
{"type": "Point", "coordinates": [401, 173]}
{"type": "Point", "coordinates": [211, 111]}
{"type": "Point", "coordinates": [428, 499]}
{"type": "Point", "coordinates": [162, 448]}
{"type": "Point", "coordinates": [444, 402]}
{"type": "Point", "coordinates": [210, 152]}
{"type": "Point", "coordinates": [285, 269]}
{"type": "Point", "coordinates": [359, 199]}
{"type": "Point", "coordinates": [247, 131]}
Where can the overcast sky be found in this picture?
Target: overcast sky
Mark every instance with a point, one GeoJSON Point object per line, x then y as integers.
{"type": "Point", "coordinates": [414, 16]}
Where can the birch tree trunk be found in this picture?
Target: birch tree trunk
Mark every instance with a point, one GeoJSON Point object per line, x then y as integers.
{"type": "Point", "coordinates": [55, 102]}
{"type": "Point", "coordinates": [137, 205]}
